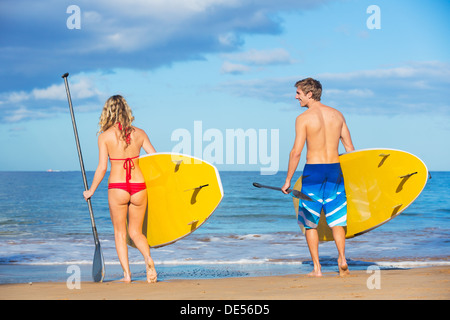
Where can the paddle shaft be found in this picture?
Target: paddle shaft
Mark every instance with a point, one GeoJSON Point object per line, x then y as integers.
{"type": "Point", "coordinates": [295, 193]}
{"type": "Point", "coordinates": [98, 265]}
{"type": "Point", "coordinates": [80, 157]}
{"type": "Point", "coordinates": [270, 187]}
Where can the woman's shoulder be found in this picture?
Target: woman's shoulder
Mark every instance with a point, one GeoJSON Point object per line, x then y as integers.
{"type": "Point", "coordinates": [107, 132]}
{"type": "Point", "coordinates": [139, 131]}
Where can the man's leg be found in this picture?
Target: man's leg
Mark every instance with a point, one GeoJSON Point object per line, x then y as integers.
{"type": "Point", "coordinates": [339, 239]}
{"type": "Point", "coordinates": [312, 238]}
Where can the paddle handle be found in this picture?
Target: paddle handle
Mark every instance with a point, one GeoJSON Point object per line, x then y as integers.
{"type": "Point", "coordinates": [258, 185]}
{"type": "Point", "coordinates": [295, 193]}
{"type": "Point", "coordinates": [80, 157]}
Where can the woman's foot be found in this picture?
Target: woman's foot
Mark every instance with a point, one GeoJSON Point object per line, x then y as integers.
{"type": "Point", "coordinates": [317, 272]}
{"type": "Point", "coordinates": [151, 271]}
{"type": "Point", "coordinates": [126, 278]}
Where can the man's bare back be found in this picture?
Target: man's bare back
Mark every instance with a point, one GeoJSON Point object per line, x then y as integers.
{"type": "Point", "coordinates": [324, 127]}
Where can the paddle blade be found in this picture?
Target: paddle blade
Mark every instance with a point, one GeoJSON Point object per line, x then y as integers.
{"type": "Point", "coordinates": [98, 265]}
{"type": "Point", "coordinates": [301, 195]}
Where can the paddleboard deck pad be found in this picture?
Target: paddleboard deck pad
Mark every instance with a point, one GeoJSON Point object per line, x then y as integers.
{"type": "Point", "coordinates": [379, 183]}
{"type": "Point", "coordinates": [183, 192]}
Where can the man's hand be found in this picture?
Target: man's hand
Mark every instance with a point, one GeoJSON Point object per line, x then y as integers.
{"type": "Point", "coordinates": [286, 186]}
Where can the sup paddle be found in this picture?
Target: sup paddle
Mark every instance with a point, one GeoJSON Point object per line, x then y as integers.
{"type": "Point", "coordinates": [98, 264]}
{"type": "Point", "coordinates": [295, 193]}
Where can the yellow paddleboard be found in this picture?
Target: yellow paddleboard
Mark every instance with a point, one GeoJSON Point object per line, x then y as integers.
{"type": "Point", "coordinates": [380, 184]}
{"type": "Point", "coordinates": [183, 192]}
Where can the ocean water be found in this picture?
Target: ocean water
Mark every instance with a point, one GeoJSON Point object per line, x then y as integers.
{"type": "Point", "coordinates": [45, 228]}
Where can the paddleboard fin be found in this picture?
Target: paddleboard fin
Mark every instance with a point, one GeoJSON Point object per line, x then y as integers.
{"type": "Point", "coordinates": [193, 224]}
{"type": "Point", "coordinates": [408, 175]}
{"type": "Point", "coordinates": [177, 165]}
{"type": "Point", "coordinates": [404, 179]}
{"type": "Point", "coordinates": [196, 191]}
{"type": "Point", "coordinates": [396, 209]}
{"type": "Point", "coordinates": [385, 156]}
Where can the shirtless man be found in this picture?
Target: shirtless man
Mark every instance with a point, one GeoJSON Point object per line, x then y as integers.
{"type": "Point", "coordinates": [321, 127]}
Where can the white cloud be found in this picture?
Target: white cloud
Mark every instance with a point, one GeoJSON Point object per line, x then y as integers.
{"type": "Point", "coordinates": [136, 34]}
{"type": "Point", "coordinates": [361, 93]}
{"type": "Point", "coordinates": [54, 92]}
{"type": "Point", "coordinates": [427, 69]}
{"type": "Point", "coordinates": [229, 67]}
{"type": "Point", "coordinates": [42, 103]}
{"type": "Point", "coordinates": [82, 89]}
{"type": "Point", "coordinates": [414, 87]}
{"type": "Point", "coordinates": [242, 61]}
{"type": "Point", "coordinates": [261, 57]}
{"type": "Point", "coordinates": [24, 113]}
{"type": "Point", "coordinates": [15, 97]}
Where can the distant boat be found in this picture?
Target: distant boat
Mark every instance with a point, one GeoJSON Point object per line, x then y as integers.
{"type": "Point", "coordinates": [51, 170]}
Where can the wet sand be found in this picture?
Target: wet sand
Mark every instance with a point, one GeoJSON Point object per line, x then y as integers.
{"type": "Point", "coordinates": [419, 283]}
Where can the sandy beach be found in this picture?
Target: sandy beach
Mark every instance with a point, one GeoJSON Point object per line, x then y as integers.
{"type": "Point", "coordinates": [419, 283]}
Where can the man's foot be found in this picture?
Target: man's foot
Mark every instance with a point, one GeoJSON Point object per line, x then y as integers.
{"type": "Point", "coordinates": [343, 268]}
{"type": "Point", "coordinates": [151, 272]}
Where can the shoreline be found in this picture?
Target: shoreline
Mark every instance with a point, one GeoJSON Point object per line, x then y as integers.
{"type": "Point", "coordinates": [196, 270]}
{"type": "Point", "coordinates": [391, 284]}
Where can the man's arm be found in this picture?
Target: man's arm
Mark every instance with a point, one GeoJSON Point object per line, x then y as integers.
{"type": "Point", "coordinates": [296, 152]}
{"type": "Point", "coordinates": [346, 138]}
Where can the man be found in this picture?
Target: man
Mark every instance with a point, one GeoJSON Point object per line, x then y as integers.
{"type": "Point", "coordinates": [321, 127]}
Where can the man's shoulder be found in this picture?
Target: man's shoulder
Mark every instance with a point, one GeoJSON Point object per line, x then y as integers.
{"type": "Point", "coordinates": [330, 109]}
{"type": "Point", "coordinates": [302, 117]}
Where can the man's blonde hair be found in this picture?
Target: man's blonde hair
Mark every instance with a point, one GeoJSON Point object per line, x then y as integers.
{"type": "Point", "coordinates": [310, 85]}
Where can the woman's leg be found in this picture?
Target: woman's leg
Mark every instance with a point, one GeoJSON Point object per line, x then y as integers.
{"type": "Point", "coordinates": [118, 206]}
{"type": "Point", "coordinates": [138, 205]}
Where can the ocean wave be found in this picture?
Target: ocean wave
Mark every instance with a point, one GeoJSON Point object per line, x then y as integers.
{"type": "Point", "coordinates": [257, 261]}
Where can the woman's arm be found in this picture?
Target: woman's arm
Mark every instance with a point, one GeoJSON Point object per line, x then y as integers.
{"type": "Point", "coordinates": [147, 145]}
{"type": "Point", "coordinates": [101, 168]}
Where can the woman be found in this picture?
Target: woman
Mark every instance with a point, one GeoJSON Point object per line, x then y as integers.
{"type": "Point", "coordinates": [122, 142]}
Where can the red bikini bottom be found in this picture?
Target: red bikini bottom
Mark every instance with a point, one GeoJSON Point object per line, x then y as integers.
{"type": "Point", "coordinates": [131, 188]}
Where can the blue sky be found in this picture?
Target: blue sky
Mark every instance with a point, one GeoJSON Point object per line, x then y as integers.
{"type": "Point", "coordinates": [229, 64]}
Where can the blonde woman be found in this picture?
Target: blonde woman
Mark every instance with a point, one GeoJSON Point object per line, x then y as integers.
{"type": "Point", "coordinates": [122, 142]}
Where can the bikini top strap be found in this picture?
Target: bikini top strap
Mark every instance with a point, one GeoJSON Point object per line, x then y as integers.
{"type": "Point", "coordinates": [128, 164]}
{"type": "Point", "coordinates": [128, 134]}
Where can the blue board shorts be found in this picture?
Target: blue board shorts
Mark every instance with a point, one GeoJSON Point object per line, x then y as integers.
{"type": "Point", "coordinates": [324, 183]}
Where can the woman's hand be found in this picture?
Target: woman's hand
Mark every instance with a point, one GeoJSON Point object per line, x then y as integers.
{"type": "Point", "coordinates": [88, 194]}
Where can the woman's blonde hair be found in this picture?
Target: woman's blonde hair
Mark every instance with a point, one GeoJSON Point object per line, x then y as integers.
{"type": "Point", "coordinates": [116, 110]}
